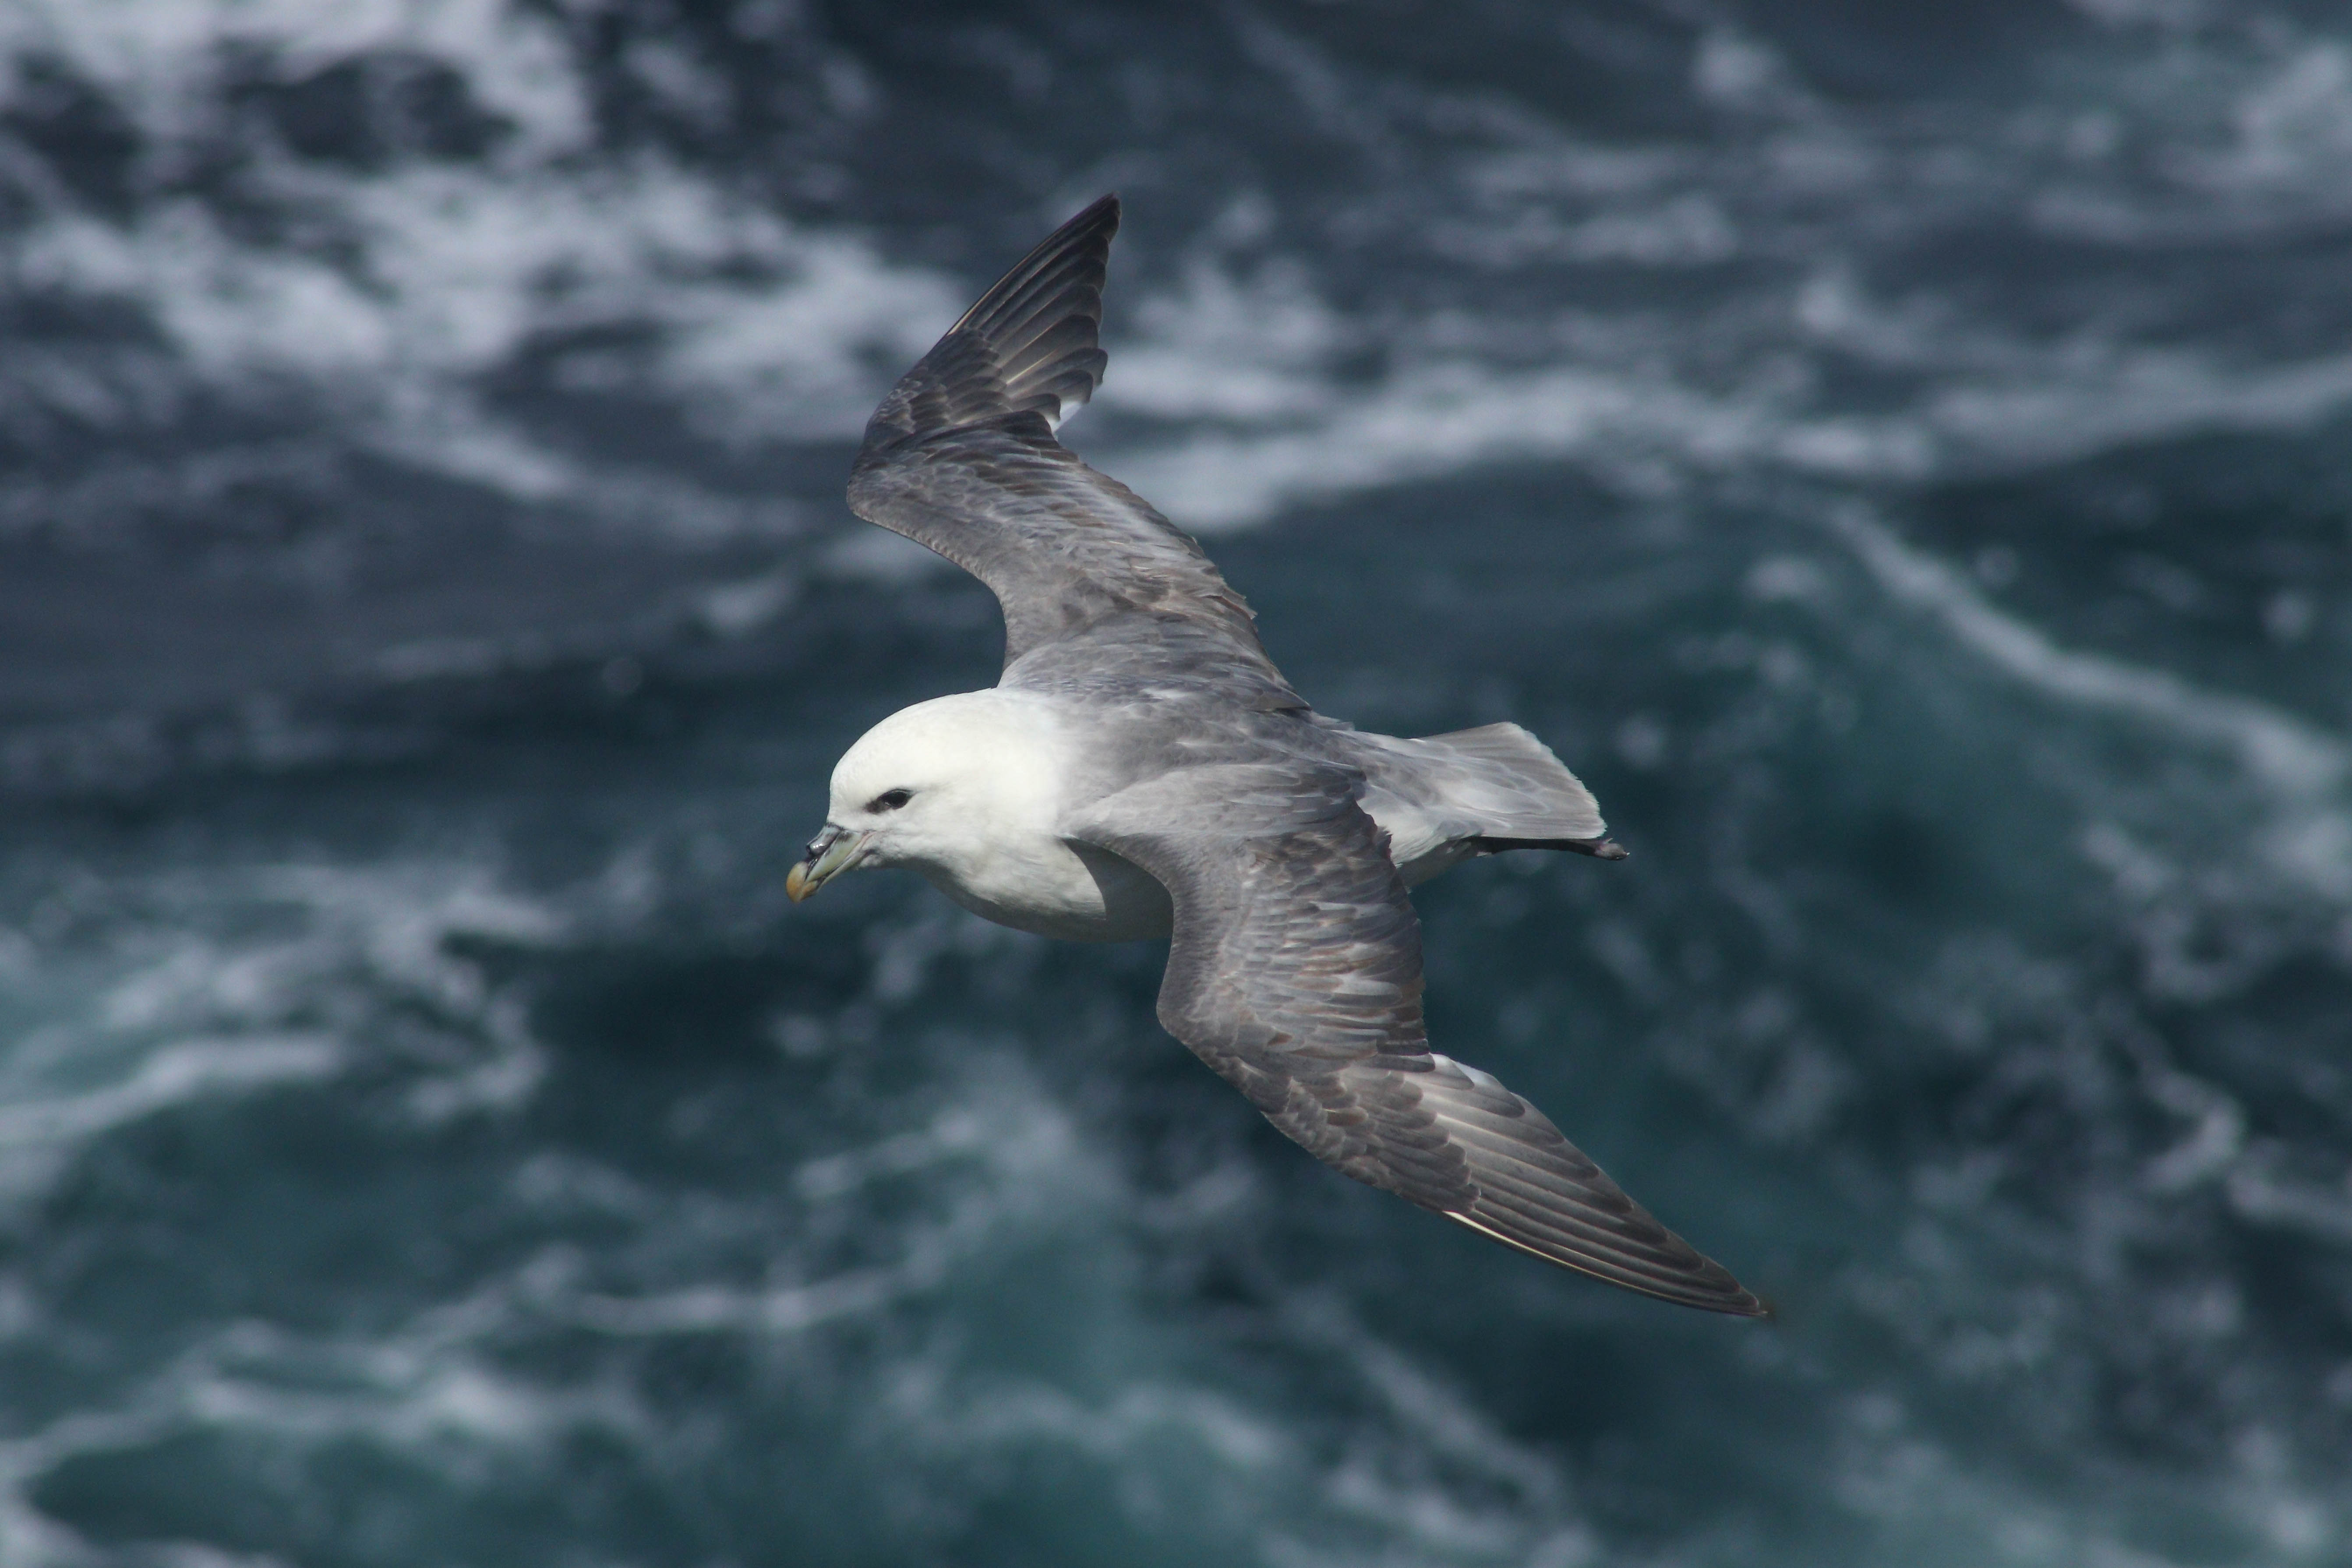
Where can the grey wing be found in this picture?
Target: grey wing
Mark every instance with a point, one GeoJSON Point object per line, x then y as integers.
{"type": "Point", "coordinates": [961, 456]}
{"type": "Point", "coordinates": [1296, 974]}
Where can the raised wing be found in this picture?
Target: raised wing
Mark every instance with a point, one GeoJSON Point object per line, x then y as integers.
{"type": "Point", "coordinates": [1296, 974]}
{"type": "Point", "coordinates": [961, 457]}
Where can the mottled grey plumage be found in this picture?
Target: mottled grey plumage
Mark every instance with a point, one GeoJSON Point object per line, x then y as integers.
{"type": "Point", "coordinates": [1285, 840]}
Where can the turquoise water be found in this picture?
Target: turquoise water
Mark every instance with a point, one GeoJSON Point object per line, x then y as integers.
{"type": "Point", "coordinates": [1899, 465]}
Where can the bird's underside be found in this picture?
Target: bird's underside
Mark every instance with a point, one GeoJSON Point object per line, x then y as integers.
{"type": "Point", "coordinates": [1295, 969]}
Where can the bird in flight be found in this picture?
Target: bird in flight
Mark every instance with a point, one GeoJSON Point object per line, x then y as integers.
{"type": "Point", "coordinates": [1141, 770]}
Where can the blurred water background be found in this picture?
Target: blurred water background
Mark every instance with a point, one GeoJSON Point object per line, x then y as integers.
{"type": "Point", "coordinates": [1896, 454]}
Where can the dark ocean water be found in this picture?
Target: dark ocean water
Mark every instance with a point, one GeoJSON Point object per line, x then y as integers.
{"type": "Point", "coordinates": [1898, 455]}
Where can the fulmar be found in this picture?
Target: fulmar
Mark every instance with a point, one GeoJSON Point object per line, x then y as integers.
{"type": "Point", "coordinates": [1142, 770]}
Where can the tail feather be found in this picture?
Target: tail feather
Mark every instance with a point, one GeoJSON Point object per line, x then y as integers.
{"type": "Point", "coordinates": [1518, 790]}
{"type": "Point", "coordinates": [1478, 791]}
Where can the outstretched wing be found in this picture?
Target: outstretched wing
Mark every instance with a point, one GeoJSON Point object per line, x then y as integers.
{"type": "Point", "coordinates": [961, 457]}
{"type": "Point", "coordinates": [1296, 974]}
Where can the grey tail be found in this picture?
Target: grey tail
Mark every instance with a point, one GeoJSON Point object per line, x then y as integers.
{"type": "Point", "coordinates": [1030, 345]}
{"type": "Point", "coordinates": [1519, 795]}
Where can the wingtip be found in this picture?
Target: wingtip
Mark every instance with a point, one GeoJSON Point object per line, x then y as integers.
{"type": "Point", "coordinates": [1030, 344]}
{"type": "Point", "coordinates": [1105, 208]}
{"type": "Point", "coordinates": [1737, 1301]}
{"type": "Point", "coordinates": [1095, 223]}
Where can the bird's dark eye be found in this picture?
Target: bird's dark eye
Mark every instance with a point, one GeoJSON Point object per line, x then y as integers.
{"type": "Point", "coordinates": [890, 800]}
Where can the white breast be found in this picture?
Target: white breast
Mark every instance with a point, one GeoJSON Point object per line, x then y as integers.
{"type": "Point", "coordinates": [1047, 885]}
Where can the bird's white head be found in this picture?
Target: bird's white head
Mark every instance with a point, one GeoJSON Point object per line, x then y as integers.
{"type": "Point", "coordinates": [934, 786]}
